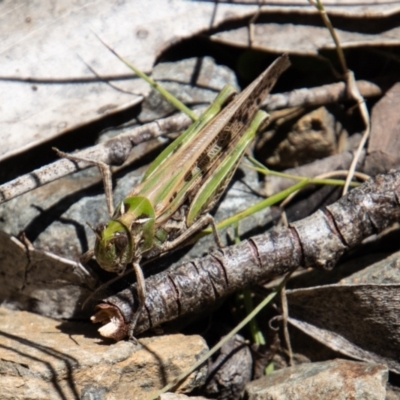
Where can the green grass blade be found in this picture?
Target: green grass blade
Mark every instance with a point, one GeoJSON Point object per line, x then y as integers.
{"type": "Point", "coordinates": [272, 200]}
{"type": "Point", "coordinates": [167, 96]}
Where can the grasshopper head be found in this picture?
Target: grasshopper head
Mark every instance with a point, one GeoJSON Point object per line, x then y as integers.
{"type": "Point", "coordinates": [114, 247]}
{"type": "Point", "coordinates": [122, 240]}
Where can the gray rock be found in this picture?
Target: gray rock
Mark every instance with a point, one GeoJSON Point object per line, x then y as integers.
{"type": "Point", "coordinates": [337, 379]}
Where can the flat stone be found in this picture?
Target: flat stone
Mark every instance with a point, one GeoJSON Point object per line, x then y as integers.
{"type": "Point", "coordinates": [42, 358]}
{"type": "Point", "coordinates": [337, 379]}
{"type": "Point", "coordinates": [179, 396]}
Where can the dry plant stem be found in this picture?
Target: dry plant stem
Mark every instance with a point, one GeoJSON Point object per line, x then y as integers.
{"type": "Point", "coordinates": [352, 91]}
{"type": "Point", "coordinates": [252, 21]}
{"type": "Point", "coordinates": [332, 31]}
{"type": "Point", "coordinates": [285, 314]}
{"type": "Point", "coordinates": [359, 175]}
{"type": "Point", "coordinates": [284, 305]}
{"type": "Point", "coordinates": [116, 150]}
{"type": "Point", "coordinates": [317, 241]}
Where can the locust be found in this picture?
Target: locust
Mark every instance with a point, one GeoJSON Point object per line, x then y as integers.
{"type": "Point", "coordinates": [183, 183]}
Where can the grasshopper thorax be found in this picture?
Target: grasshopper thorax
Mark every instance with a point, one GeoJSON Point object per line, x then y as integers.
{"type": "Point", "coordinates": [114, 247]}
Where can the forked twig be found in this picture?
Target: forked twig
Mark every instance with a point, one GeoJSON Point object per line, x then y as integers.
{"type": "Point", "coordinates": [351, 89]}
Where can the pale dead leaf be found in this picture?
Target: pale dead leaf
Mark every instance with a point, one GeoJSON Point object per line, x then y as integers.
{"type": "Point", "coordinates": [384, 142]}
{"type": "Point", "coordinates": [359, 316]}
{"type": "Point", "coordinates": [360, 321]}
{"type": "Point", "coordinates": [303, 39]}
{"type": "Point", "coordinates": [42, 282]}
{"type": "Point", "coordinates": [356, 8]}
{"type": "Point", "coordinates": [46, 86]}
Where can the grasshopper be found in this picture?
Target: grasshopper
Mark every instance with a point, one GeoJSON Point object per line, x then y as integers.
{"type": "Point", "coordinates": [183, 183]}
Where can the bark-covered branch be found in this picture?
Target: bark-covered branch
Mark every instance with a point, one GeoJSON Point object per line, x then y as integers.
{"type": "Point", "coordinates": [316, 241]}
{"type": "Point", "coordinates": [318, 96]}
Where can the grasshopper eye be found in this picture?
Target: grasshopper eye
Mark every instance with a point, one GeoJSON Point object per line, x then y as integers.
{"type": "Point", "coordinates": [121, 242]}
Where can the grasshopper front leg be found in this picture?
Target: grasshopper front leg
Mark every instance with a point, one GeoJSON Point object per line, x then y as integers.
{"type": "Point", "coordinates": [105, 171]}
{"type": "Point", "coordinates": [141, 291]}
{"type": "Point", "coordinates": [164, 248]}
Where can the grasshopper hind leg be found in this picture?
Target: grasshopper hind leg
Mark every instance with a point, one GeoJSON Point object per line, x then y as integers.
{"type": "Point", "coordinates": [215, 231]}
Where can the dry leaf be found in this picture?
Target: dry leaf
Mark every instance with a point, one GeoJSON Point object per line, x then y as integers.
{"type": "Point", "coordinates": [360, 321]}
{"type": "Point", "coordinates": [304, 39]}
{"type": "Point", "coordinates": [50, 57]}
{"type": "Point", "coordinates": [384, 142]}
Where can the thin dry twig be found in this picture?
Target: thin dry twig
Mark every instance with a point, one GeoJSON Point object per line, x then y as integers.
{"type": "Point", "coordinates": [318, 96]}
{"type": "Point", "coordinates": [252, 21]}
{"type": "Point", "coordinates": [354, 92]}
{"type": "Point", "coordinates": [113, 152]}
